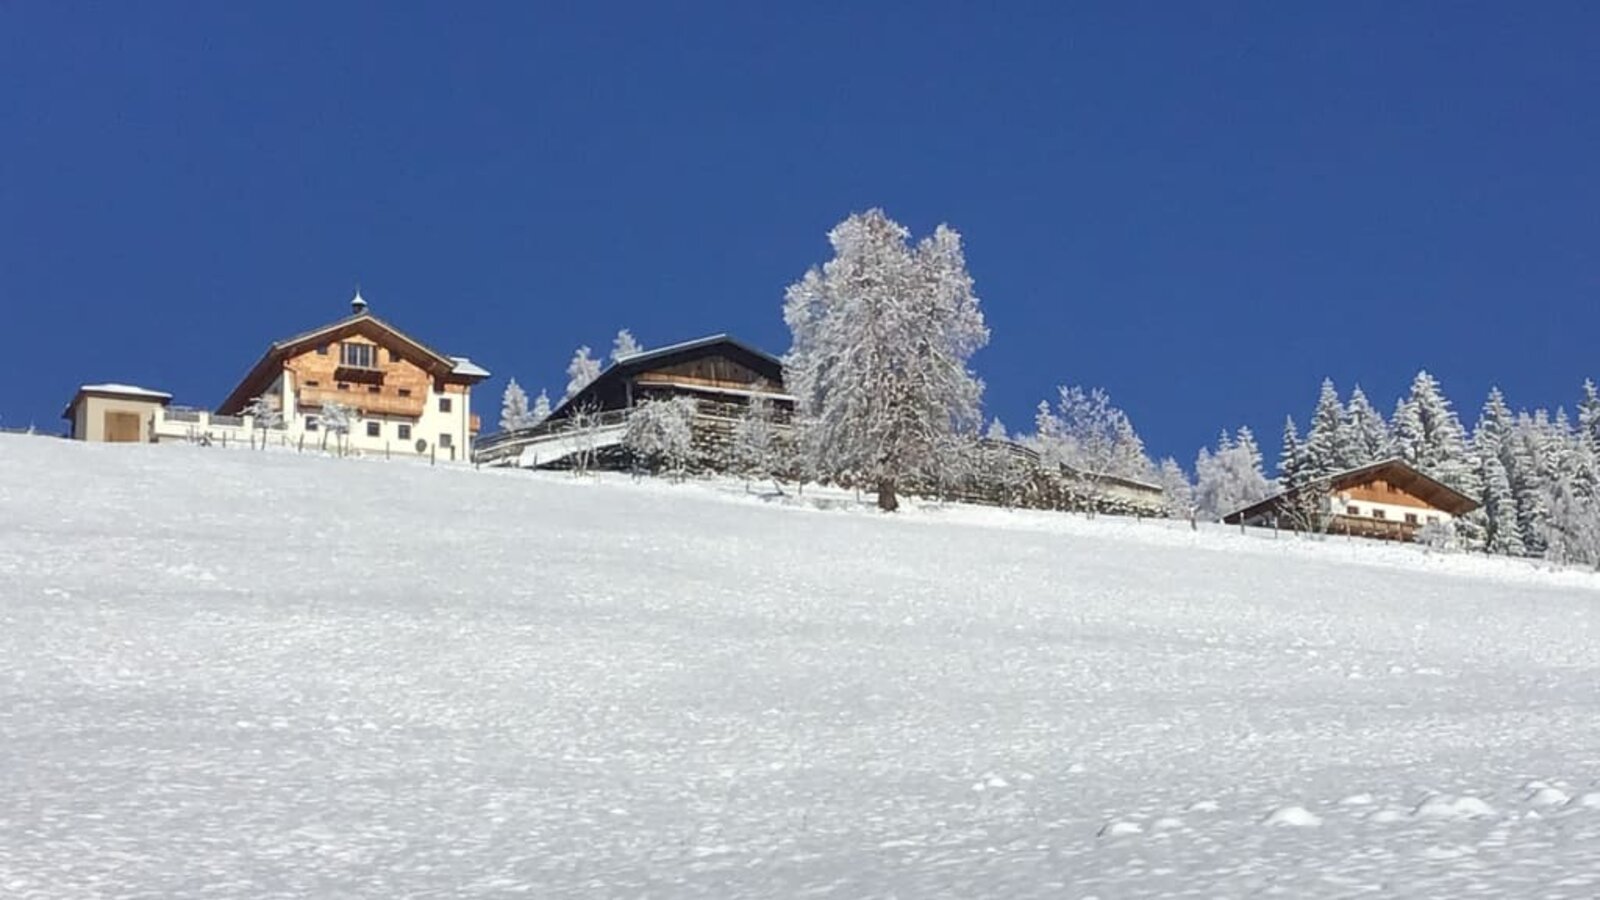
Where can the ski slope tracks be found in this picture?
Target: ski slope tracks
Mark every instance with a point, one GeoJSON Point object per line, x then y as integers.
{"type": "Point", "coordinates": [247, 674]}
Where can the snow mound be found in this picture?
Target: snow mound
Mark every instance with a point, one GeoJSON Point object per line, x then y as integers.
{"type": "Point", "coordinates": [1121, 828]}
{"type": "Point", "coordinates": [1293, 817]}
{"type": "Point", "coordinates": [1590, 800]}
{"type": "Point", "coordinates": [1362, 799]}
{"type": "Point", "coordinates": [1446, 806]}
{"type": "Point", "coordinates": [1549, 796]}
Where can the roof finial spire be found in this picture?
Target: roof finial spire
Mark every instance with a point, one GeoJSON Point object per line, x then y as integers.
{"type": "Point", "coordinates": [357, 304]}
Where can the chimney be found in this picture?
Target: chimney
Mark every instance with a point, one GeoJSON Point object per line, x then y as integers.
{"type": "Point", "coordinates": [358, 306]}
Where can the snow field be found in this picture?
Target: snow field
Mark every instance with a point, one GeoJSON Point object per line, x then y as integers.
{"type": "Point", "coordinates": [236, 674]}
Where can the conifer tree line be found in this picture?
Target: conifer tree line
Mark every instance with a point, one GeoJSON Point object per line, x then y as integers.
{"type": "Point", "coordinates": [1534, 473]}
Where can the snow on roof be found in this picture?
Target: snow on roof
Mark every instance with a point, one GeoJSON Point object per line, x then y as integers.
{"type": "Point", "coordinates": [464, 366]}
{"type": "Point", "coordinates": [127, 390]}
{"type": "Point", "coordinates": [690, 345]}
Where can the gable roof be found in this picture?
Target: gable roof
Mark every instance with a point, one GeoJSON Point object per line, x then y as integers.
{"type": "Point", "coordinates": [364, 323]}
{"type": "Point", "coordinates": [762, 362]}
{"type": "Point", "coordinates": [111, 389]}
{"type": "Point", "coordinates": [1395, 470]}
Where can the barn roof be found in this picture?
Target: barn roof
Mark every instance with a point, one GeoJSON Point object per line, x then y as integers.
{"type": "Point", "coordinates": [1395, 471]}
{"type": "Point", "coordinates": [759, 360]}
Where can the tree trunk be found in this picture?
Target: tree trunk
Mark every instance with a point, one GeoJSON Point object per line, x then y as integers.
{"type": "Point", "coordinates": [886, 498]}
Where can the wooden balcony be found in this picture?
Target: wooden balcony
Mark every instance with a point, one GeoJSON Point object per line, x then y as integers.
{"type": "Point", "coordinates": [358, 374]}
{"type": "Point", "coordinates": [374, 404]}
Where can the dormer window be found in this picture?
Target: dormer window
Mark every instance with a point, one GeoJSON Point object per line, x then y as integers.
{"type": "Point", "coordinates": [359, 356]}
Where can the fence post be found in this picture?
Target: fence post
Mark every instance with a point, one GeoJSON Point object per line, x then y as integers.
{"type": "Point", "coordinates": [433, 454]}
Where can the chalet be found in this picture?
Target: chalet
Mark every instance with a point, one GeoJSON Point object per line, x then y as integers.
{"type": "Point", "coordinates": [720, 372]}
{"type": "Point", "coordinates": [1387, 499]}
{"type": "Point", "coordinates": [404, 397]}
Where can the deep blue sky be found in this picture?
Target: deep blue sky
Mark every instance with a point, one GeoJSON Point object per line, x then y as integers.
{"type": "Point", "coordinates": [1204, 208]}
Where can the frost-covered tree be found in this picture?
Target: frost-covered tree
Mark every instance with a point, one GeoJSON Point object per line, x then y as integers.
{"type": "Point", "coordinates": [661, 433]}
{"type": "Point", "coordinates": [336, 419]}
{"type": "Point", "coordinates": [581, 371]}
{"type": "Point", "coordinates": [881, 338]}
{"type": "Point", "coordinates": [541, 409]}
{"type": "Point", "coordinates": [1325, 450]}
{"type": "Point", "coordinates": [1230, 478]}
{"type": "Point", "coordinates": [264, 415]}
{"type": "Point", "coordinates": [1092, 437]}
{"type": "Point", "coordinates": [514, 411]}
{"type": "Point", "coordinates": [1572, 526]}
{"type": "Point", "coordinates": [758, 449]}
{"type": "Point", "coordinates": [624, 345]}
{"type": "Point", "coordinates": [1530, 465]}
{"type": "Point", "coordinates": [1291, 459]}
{"type": "Point", "coordinates": [1429, 436]}
{"type": "Point", "coordinates": [1491, 445]}
{"type": "Point", "coordinates": [1589, 416]}
{"type": "Point", "coordinates": [1177, 494]}
{"type": "Point", "coordinates": [996, 431]}
{"type": "Point", "coordinates": [1367, 433]}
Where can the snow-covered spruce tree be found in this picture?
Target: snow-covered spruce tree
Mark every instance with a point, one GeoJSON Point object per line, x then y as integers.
{"type": "Point", "coordinates": [1291, 459]}
{"type": "Point", "coordinates": [1429, 436]}
{"type": "Point", "coordinates": [1177, 494]}
{"type": "Point", "coordinates": [1324, 452]}
{"type": "Point", "coordinates": [335, 420]}
{"type": "Point", "coordinates": [541, 409]}
{"type": "Point", "coordinates": [264, 415]}
{"type": "Point", "coordinates": [1572, 525]}
{"type": "Point", "coordinates": [1529, 465]}
{"type": "Point", "coordinates": [1589, 416]}
{"type": "Point", "coordinates": [582, 370]}
{"type": "Point", "coordinates": [996, 431]}
{"type": "Point", "coordinates": [757, 451]}
{"type": "Point", "coordinates": [660, 432]}
{"type": "Point", "coordinates": [1491, 446]}
{"type": "Point", "coordinates": [1229, 478]}
{"type": "Point", "coordinates": [514, 412]}
{"type": "Point", "coordinates": [1368, 434]}
{"type": "Point", "coordinates": [878, 364]}
{"type": "Point", "coordinates": [624, 345]}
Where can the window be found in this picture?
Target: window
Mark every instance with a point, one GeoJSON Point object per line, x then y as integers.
{"type": "Point", "coordinates": [374, 429]}
{"type": "Point", "coordinates": [360, 356]}
{"type": "Point", "coordinates": [405, 392]}
{"type": "Point", "coordinates": [372, 389]}
{"type": "Point", "coordinates": [394, 356]}
{"type": "Point", "coordinates": [311, 423]}
{"type": "Point", "coordinates": [444, 440]}
{"type": "Point", "coordinates": [1411, 518]}
{"type": "Point", "coordinates": [1379, 514]}
{"type": "Point", "coordinates": [1352, 510]}
{"type": "Point", "coordinates": [444, 406]}
{"type": "Point", "coordinates": [343, 386]}
{"type": "Point", "coordinates": [310, 383]}
{"type": "Point", "coordinates": [1433, 520]}
{"type": "Point", "coordinates": [323, 350]}
{"type": "Point", "coordinates": [405, 432]}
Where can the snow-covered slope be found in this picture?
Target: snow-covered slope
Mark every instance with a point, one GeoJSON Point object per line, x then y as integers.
{"type": "Point", "coordinates": [236, 674]}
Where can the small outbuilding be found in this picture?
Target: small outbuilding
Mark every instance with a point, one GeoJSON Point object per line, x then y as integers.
{"type": "Point", "coordinates": [115, 413]}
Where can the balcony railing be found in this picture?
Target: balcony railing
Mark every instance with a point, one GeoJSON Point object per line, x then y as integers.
{"type": "Point", "coordinates": [380, 404]}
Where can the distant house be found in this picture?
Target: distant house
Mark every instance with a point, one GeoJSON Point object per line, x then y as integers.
{"type": "Point", "coordinates": [719, 372]}
{"type": "Point", "coordinates": [1389, 499]}
{"type": "Point", "coordinates": [405, 397]}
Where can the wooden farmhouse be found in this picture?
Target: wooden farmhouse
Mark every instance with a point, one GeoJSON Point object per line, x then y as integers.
{"type": "Point", "coordinates": [1389, 500]}
{"type": "Point", "coordinates": [719, 372]}
{"type": "Point", "coordinates": [403, 397]}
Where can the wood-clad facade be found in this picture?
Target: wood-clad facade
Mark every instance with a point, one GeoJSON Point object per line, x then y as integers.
{"type": "Point", "coordinates": [1389, 500]}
